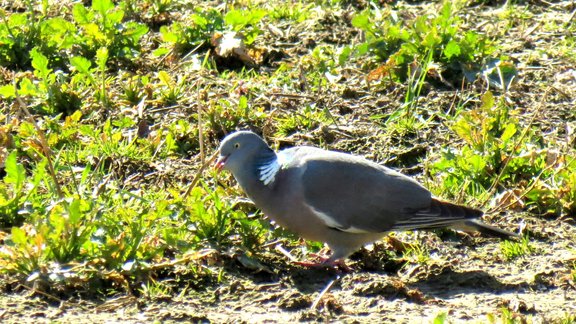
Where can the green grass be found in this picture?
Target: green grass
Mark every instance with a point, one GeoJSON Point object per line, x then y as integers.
{"type": "Point", "coordinates": [512, 250]}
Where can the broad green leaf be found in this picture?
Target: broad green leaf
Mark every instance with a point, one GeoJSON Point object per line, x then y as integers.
{"type": "Point", "coordinates": [440, 318]}
{"type": "Point", "coordinates": [243, 104]}
{"type": "Point", "coordinates": [81, 14]}
{"type": "Point", "coordinates": [39, 173]}
{"type": "Point", "coordinates": [135, 31]}
{"type": "Point", "coordinates": [28, 88]}
{"type": "Point", "coordinates": [236, 18]}
{"type": "Point", "coordinates": [363, 48]}
{"type": "Point", "coordinates": [452, 49]}
{"type": "Point", "coordinates": [445, 18]}
{"type": "Point", "coordinates": [199, 20]}
{"type": "Point", "coordinates": [362, 21]}
{"type": "Point", "coordinates": [57, 220]}
{"type": "Point", "coordinates": [18, 20]}
{"type": "Point", "coordinates": [474, 163]}
{"type": "Point", "coordinates": [7, 91]}
{"type": "Point", "coordinates": [81, 64]}
{"type": "Point", "coordinates": [431, 39]}
{"type": "Point", "coordinates": [39, 63]}
{"type": "Point", "coordinates": [344, 55]}
{"type": "Point", "coordinates": [165, 78]}
{"type": "Point", "coordinates": [509, 131]}
{"type": "Point", "coordinates": [18, 236]}
{"type": "Point", "coordinates": [464, 130]}
{"type": "Point", "coordinates": [15, 173]}
{"type": "Point", "coordinates": [487, 101]}
{"type": "Point", "coordinates": [93, 31]}
{"type": "Point", "coordinates": [113, 18]}
{"type": "Point", "coordinates": [168, 35]}
{"type": "Point", "coordinates": [422, 25]}
{"type": "Point", "coordinates": [240, 18]}
{"type": "Point", "coordinates": [74, 212]}
{"type": "Point", "coordinates": [102, 6]}
{"type": "Point", "coordinates": [63, 34]}
{"type": "Point", "coordinates": [158, 52]}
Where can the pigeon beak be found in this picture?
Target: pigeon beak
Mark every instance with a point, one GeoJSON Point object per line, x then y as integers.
{"type": "Point", "coordinates": [221, 162]}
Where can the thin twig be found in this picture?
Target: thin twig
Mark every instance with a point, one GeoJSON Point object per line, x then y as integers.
{"type": "Point", "coordinates": [570, 18]}
{"type": "Point", "coordinates": [526, 191]}
{"type": "Point", "coordinates": [282, 250]}
{"type": "Point", "coordinates": [323, 292]}
{"type": "Point", "coordinates": [45, 148]}
{"type": "Point", "coordinates": [291, 95]}
{"type": "Point", "coordinates": [269, 244]}
{"type": "Point", "coordinates": [199, 174]}
{"type": "Point", "coordinates": [200, 129]}
{"type": "Point", "coordinates": [45, 294]}
{"type": "Point", "coordinates": [532, 29]}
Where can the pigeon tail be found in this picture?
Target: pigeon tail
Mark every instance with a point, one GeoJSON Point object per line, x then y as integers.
{"type": "Point", "coordinates": [439, 214]}
{"type": "Point", "coordinates": [450, 210]}
{"type": "Point", "coordinates": [477, 226]}
{"type": "Point", "coordinates": [469, 222]}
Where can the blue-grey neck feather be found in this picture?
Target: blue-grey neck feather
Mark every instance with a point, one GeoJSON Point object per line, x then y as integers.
{"type": "Point", "coordinates": [250, 180]}
{"type": "Point", "coordinates": [265, 159]}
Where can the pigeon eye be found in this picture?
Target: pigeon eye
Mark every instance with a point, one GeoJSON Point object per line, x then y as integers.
{"type": "Point", "coordinates": [237, 145]}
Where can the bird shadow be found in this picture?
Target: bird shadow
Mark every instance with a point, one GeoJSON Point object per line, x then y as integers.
{"type": "Point", "coordinates": [442, 284]}
{"type": "Point", "coordinates": [449, 282]}
{"type": "Point", "coordinates": [310, 280]}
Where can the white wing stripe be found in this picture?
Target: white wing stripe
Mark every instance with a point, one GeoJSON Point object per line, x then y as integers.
{"type": "Point", "coordinates": [330, 222]}
{"type": "Point", "coordinates": [268, 171]}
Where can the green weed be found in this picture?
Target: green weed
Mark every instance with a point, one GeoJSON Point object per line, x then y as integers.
{"type": "Point", "coordinates": [296, 12]}
{"type": "Point", "coordinates": [568, 318]}
{"type": "Point", "coordinates": [512, 250]}
{"type": "Point", "coordinates": [417, 253]}
{"type": "Point", "coordinates": [134, 87]}
{"type": "Point", "coordinates": [245, 21]}
{"type": "Point", "coordinates": [102, 26]}
{"type": "Point", "coordinates": [307, 119]}
{"type": "Point", "coordinates": [19, 33]}
{"type": "Point", "coordinates": [52, 94]}
{"type": "Point", "coordinates": [106, 224]}
{"type": "Point", "coordinates": [181, 38]}
{"type": "Point", "coordinates": [499, 154]}
{"type": "Point", "coordinates": [493, 149]}
{"type": "Point", "coordinates": [432, 38]}
{"type": "Point", "coordinates": [155, 289]}
{"type": "Point", "coordinates": [169, 90]}
{"type": "Point", "coordinates": [440, 318]}
{"type": "Point", "coordinates": [225, 114]}
{"type": "Point", "coordinates": [15, 189]}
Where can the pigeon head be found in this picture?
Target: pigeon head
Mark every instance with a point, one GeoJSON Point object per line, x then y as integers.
{"type": "Point", "coordinates": [240, 150]}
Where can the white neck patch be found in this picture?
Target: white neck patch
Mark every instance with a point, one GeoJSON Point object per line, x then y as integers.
{"type": "Point", "coordinates": [269, 170]}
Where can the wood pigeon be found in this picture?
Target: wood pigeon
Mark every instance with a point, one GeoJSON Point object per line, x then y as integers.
{"type": "Point", "coordinates": [343, 200]}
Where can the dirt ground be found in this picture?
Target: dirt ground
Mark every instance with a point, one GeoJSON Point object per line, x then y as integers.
{"type": "Point", "coordinates": [466, 277]}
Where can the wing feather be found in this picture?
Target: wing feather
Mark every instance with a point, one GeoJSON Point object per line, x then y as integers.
{"type": "Point", "coordinates": [359, 196]}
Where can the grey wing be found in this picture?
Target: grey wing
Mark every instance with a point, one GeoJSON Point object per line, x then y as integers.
{"type": "Point", "coordinates": [355, 195]}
